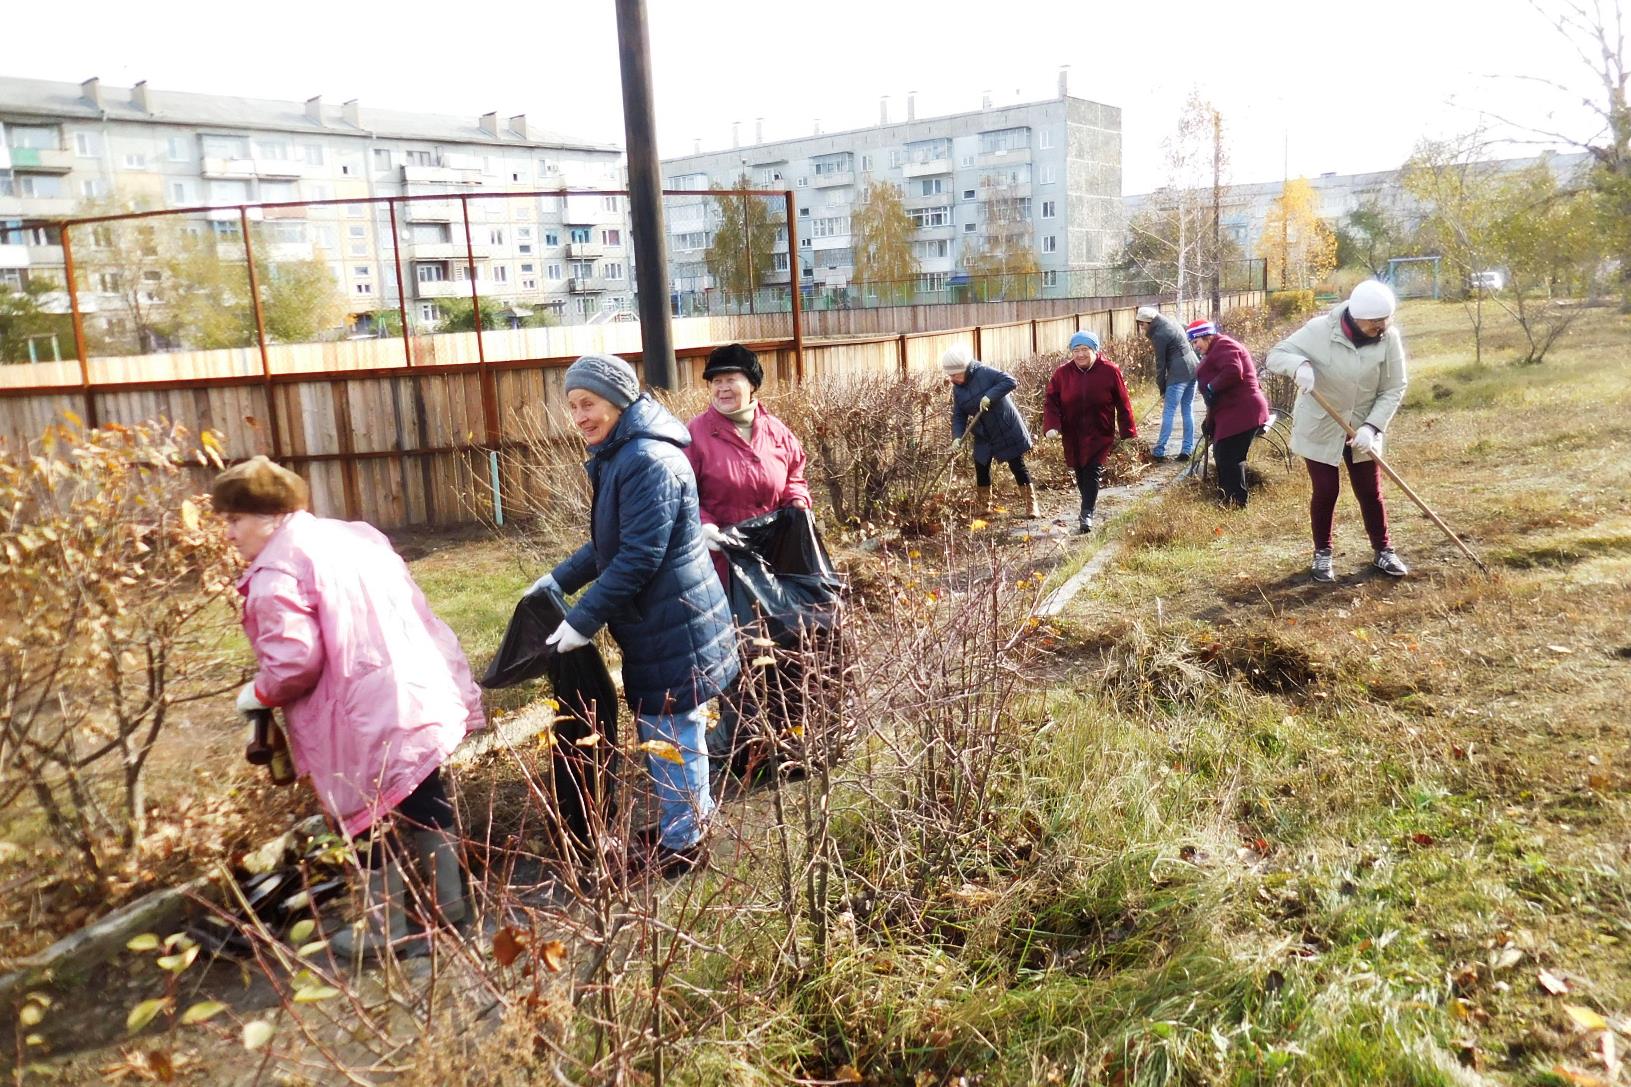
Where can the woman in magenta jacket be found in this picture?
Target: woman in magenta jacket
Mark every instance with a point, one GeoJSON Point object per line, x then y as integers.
{"type": "Point", "coordinates": [1087, 404]}
{"type": "Point", "coordinates": [1235, 406]}
{"type": "Point", "coordinates": [746, 460]}
{"type": "Point", "coordinates": [374, 689]}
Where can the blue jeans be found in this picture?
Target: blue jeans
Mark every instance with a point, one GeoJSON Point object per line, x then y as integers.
{"type": "Point", "coordinates": [683, 800]}
{"type": "Point", "coordinates": [1177, 395]}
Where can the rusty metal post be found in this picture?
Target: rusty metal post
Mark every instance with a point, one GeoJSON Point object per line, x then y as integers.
{"type": "Point", "coordinates": [977, 352]}
{"type": "Point", "coordinates": [1033, 336]}
{"type": "Point", "coordinates": [793, 280]}
{"type": "Point", "coordinates": [901, 350]}
{"type": "Point", "coordinates": [401, 284]}
{"type": "Point", "coordinates": [260, 333]}
{"type": "Point", "coordinates": [489, 387]}
{"type": "Point", "coordinates": [79, 329]}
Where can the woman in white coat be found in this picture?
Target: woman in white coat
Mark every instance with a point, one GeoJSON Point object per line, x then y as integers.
{"type": "Point", "coordinates": [1355, 359]}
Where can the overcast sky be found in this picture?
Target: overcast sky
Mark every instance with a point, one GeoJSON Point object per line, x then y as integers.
{"type": "Point", "coordinates": [1337, 86]}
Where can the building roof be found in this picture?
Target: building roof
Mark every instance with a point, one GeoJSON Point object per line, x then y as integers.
{"type": "Point", "coordinates": [56, 100]}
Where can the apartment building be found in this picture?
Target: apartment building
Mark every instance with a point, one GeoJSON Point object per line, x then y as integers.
{"type": "Point", "coordinates": [1045, 175]}
{"type": "Point", "coordinates": [71, 148]}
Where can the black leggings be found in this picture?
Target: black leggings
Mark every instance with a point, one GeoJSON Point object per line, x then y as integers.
{"type": "Point", "coordinates": [426, 808]}
{"type": "Point", "coordinates": [1230, 454]}
{"type": "Point", "coordinates": [1087, 482]}
{"type": "Point", "coordinates": [982, 472]}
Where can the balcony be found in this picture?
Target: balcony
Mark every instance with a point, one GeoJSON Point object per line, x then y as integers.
{"type": "Point", "coordinates": [41, 160]}
{"type": "Point", "coordinates": [243, 169]}
{"type": "Point", "coordinates": [931, 233]}
{"type": "Point", "coordinates": [47, 255]}
{"type": "Point", "coordinates": [933, 200]}
{"type": "Point", "coordinates": [286, 251]}
{"type": "Point", "coordinates": [777, 276]}
{"type": "Point", "coordinates": [585, 250]}
{"type": "Point", "coordinates": [836, 241]}
{"type": "Point", "coordinates": [585, 285]}
{"type": "Point", "coordinates": [1003, 158]}
{"type": "Point", "coordinates": [13, 256]}
{"type": "Point", "coordinates": [11, 207]}
{"type": "Point", "coordinates": [833, 179]}
{"type": "Point", "coordinates": [44, 207]}
{"type": "Point", "coordinates": [440, 175]}
{"type": "Point", "coordinates": [927, 169]}
{"type": "Point", "coordinates": [457, 288]}
{"type": "Point", "coordinates": [445, 251]}
{"type": "Point", "coordinates": [1011, 190]}
{"type": "Point", "coordinates": [430, 211]}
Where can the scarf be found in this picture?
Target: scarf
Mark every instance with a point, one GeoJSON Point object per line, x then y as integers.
{"type": "Point", "coordinates": [743, 419]}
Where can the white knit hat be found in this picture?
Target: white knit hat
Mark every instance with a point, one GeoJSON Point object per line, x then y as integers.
{"type": "Point", "coordinates": [1372, 300]}
{"type": "Point", "coordinates": [1146, 313]}
{"type": "Point", "coordinates": [956, 359]}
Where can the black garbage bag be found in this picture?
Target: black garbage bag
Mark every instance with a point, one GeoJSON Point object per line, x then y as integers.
{"type": "Point", "coordinates": [583, 687]}
{"type": "Point", "coordinates": [782, 586]}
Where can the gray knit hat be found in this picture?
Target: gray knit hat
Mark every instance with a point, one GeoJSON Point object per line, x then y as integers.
{"type": "Point", "coordinates": [607, 376]}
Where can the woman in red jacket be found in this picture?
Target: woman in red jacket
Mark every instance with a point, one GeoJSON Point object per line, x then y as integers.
{"type": "Point", "coordinates": [746, 460]}
{"type": "Point", "coordinates": [1235, 406]}
{"type": "Point", "coordinates": [1086, 398]}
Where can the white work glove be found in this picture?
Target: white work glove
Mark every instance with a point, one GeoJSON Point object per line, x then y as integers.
{"type": "Point", "coordinates": [985, 403]}
{"type": "Point", "coordinates": [565, 639]}
{"type": "Point", "coordinates": [1367, 439]}
{"type": "Point", "coordinates": [546, 582]}
{"type": "Point", "coordinates": [1051, 434]}
{"type": "Point", "coordinates": [712, 535]}
{"type": "Point", "coordinates": [249, 701]}
{"type": "Point", "coordinates": [1304, 377]}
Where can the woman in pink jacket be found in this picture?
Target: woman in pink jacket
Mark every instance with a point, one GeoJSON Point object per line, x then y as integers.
{"type": "Point", "coordinates": [746, 460]}
{"type": "Point", "coordinates": [375, 691]}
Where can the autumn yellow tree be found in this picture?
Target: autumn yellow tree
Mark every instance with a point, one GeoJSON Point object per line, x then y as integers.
{"type": "Point", "coordinates": [881, 229]}
{"type": "Point", "coordinates": [1299, 247]}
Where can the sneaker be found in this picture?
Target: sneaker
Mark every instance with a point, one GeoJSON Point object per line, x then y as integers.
{"type": "Point", "coordinates": [673, 863]}
{"type": "Point", "coordinates": [1085, 525]}
{"type": "Point", "coordinates": [1181, 457]}
{"type": "Point", "coordinates": [1322, 565]}
{"type": "Point", "coordinates": [1390, 563]}
{"type": "Point", "coordinates": [1158, 458]}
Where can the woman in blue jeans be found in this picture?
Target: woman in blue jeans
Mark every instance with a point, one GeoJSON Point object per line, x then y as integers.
{"type": "Point", "coordinates": [652, 587]}
{"type": "Point", "coordinates": [1175, 365]}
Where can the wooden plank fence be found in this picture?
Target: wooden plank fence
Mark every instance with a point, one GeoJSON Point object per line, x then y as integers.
{"type": "Point", "coordinates": [396, 445]}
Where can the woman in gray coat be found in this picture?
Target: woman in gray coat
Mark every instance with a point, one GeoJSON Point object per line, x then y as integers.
{"type": "Point", "coordinates": [1355, 359]}
{"type": "Point", "coordinates": [1175, 366]}
{"type": "Point", "coordinates": [979, 401]}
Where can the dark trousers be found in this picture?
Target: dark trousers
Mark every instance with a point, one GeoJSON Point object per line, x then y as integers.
{"type": "Point", "coordinates": [1366, 479]}
{"type": "Point", "coordinates": [982, 472]}
{"type": "Point", "coordinates": [1230, 455]}
{"type": "Point", "coordinates": [426, 808]}
{"type": "Point", "coordinates": [1087, 484]}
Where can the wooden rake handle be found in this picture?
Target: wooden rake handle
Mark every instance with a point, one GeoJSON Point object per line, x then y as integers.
{"type": "Point", "coordinates": [1403, 486]}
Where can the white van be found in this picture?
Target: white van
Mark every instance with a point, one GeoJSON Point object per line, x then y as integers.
{"type": "Point", "coordinates": [1490, 280]}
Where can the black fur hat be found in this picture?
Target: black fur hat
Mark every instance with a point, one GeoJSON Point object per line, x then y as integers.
{"type": "Point", "coordinates": [734, 358]}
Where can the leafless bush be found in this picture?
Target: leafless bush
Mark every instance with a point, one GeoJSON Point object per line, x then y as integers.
{"type": "Point", "coordinates": [116, 596]}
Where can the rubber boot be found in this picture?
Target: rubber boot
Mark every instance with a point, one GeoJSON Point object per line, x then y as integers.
{"type": "Point", "coordinates": [982, 501]}
{"type": "Point", "coordinates": [1028, 493]}
{"type": "Point", "coordinates": [438, 852]}
{"type": "Point", "coordinates": [384, 922]}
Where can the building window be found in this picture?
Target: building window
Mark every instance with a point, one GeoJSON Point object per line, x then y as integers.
{"type": "Point", "coordinates": [495, 236]}
{"type": "Point", "coordinates": [582, 269]}
{"type": "Point", "coordinates": [1050, 278]}
{"type": "Point", "coordinates": [1047, 175]}
{"type": "Point", "coordinates": [87, 144]}
{"type": "Point", "coordinates": [181, 192]}
{"type": "Point", "coordinates": [1050, 243]}
{"type": "Point", "coordinates": [363, 287]}
{"type": "Point", "coordinates": [969, 228]}
{"type": "Point", "coordinates": [827, 165]}
{"type": "Point", "coordinates": [178, 149]}
{"type": "Point", "coordinates": [968, 194]}
{"type": "Point", "coordinates": [360, 271]}
{"type": "Point", "coordinates": [896, 157]}
{"type": "Point", "coordinates": [276, 150]}
{"type": "Point", "coordinates": [552, 271]}
{"type": "Point", "coordinates": [431, 273]}
{"type": "Point", "coordinates": [312, 153]}
{"type": "Point", "coordinates": [545, 168]}
{"type": "Point", "coordinates": [382, 158]}
{"type": "Point", "coordinates": [528, 268]}
{"type": "Point", "coordinates": [347, 170]}
{"type": "Point", "coordinates": [429, 313]}
{"type": "Point", "coordinates": [418, 158]}
{"type": "Point", "coordinates": [611, 237]}
{"type": "Point", "coordinates": [931, 186]}
{"type": "Point", "coordinates": [802, 182]}
{"type": "Point", "coordinates": [833, 227]}
{"type": "Point", "coordinates": [610, 203]}
{"type": "Point", "coordinates": [693, 240]}
{"type": "Point", "coordinates": [1004, 139]}
{"type": "Point", "coordinates": [501, 273]}
{"type": "Point", "coordinates": [580, 235]}
{"type": "Point", "coordinates": [1048, 209]}
{"type": "Point", "coordinates": [551, 238]}
{"type": "Point", "coordinates": [778, 262]}
{"type": "Point", "coordinates": [927, 218]}
{"type": "Point", "coordinates": [932, 282]}
{"type": "Point", "coordinates": [93, 188]}
{"type": "Point", "coordinates": [529, 283]}
{"type": "Point", "coordinates": [804, 212]}
{"type": "Point", "coordinates": [1044, 139]}
{"type": "Point", "coordinates": [614, 270]}
{"type": "Point", "coordinates": [968, 160]}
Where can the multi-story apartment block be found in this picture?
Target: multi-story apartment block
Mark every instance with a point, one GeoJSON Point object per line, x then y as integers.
{"type": "Point", "coordinates": [68, 149]}
{"type": "Point", "coordinates": [1045, 175]}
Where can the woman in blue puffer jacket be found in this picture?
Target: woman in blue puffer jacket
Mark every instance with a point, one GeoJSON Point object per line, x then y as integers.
{"type": "Point", "coordinates": [980, 401]}
{"type": "Point", "coordinates": [653, 587]}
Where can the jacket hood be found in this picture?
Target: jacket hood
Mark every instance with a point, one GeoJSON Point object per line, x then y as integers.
{"type": "Point", "coordinates": [645, 418]}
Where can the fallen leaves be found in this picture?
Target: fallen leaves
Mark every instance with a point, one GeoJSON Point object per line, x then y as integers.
{"type": "Point", "coordinates": [1551, 984]}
